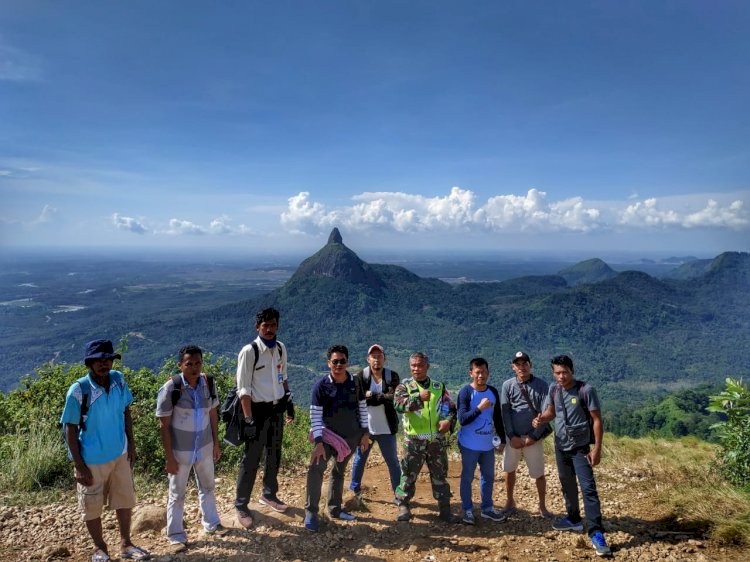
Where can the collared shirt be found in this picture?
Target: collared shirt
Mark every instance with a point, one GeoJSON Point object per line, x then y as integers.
{"type": "Point", "coordinates": [104, 438]}
{"type": "Point", "coordinates": [192, 438]}
{"type": "Point", "coordinates": [339, 406]}
{"type": "Point", "coordinates": [264, 383]}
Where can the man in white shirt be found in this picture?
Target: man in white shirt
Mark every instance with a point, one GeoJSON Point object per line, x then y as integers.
{"type": "Point", "coordinates": [264, 394]}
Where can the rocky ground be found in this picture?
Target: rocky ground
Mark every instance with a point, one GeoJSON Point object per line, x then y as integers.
{"type": "Point", "coordinates": [637, 528]}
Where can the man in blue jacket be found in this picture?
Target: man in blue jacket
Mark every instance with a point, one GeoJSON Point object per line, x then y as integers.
{"type": "Point", "coordinates": [481, 432]}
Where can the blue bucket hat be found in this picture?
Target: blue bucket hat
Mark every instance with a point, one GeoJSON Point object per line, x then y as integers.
{"type": "Point", "coordinates": [100, 349]}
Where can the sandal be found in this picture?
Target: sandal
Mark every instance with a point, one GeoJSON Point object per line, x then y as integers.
{"type": "Point", "coordinates": [100, 556]}
{"type": "Point", "coordinates": [135, 553]}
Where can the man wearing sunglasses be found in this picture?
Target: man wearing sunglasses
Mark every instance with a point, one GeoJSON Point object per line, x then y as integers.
{"type": "Point", "coordinates": [338, 425]}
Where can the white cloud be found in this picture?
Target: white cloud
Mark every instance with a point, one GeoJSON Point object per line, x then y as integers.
{"type": "Point", "coordinates": [459, 211]}
{"type": "Point", "coordinates": [649, 214]}
{"type": "Point", "coordinates": [129, 223]}
{"type": "Point", "coordinates": [532, 212]}
{"type": "Point", "coordinates": [221, 225]}
{"type": "Point", "coordinates": [455, 212]}
{"type": "Point", "coordinates": [733, 216]}
{"type": "Point", "coordinates": [177, 227]}
{"type": "Point", "coordinates": [302, 216]}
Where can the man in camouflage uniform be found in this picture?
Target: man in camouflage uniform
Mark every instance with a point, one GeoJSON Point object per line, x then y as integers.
{"type": "Point", "coordinates": [428, 415]}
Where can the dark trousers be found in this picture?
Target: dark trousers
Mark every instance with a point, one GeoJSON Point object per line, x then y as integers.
{"type": "Point", "coordinates": [316, 472]}
{"type": "Point", "coordinates": [572, 464]}
{"type": "Point", "coordinates": [270, 432]}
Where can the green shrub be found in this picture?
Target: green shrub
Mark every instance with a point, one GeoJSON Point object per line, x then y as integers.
{"type": "Point", "coordinates": [32, 450]}
{"type": "Point", "coordinates": [34, 458]}
{"type": "Point", "coordinates": [734, 434]}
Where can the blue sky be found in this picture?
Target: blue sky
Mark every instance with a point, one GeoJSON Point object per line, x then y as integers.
{"type": "Point", "coordinates": [550, 126]}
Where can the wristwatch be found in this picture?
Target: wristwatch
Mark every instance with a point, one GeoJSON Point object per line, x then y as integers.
{"type": "Point", "coordinates": [249, 420]}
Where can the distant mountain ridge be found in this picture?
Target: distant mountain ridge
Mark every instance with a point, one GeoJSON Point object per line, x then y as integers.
{"type": "Point", "coordinates": [589, 271]}
{"type": "Point", "coordinates": [630, 334]}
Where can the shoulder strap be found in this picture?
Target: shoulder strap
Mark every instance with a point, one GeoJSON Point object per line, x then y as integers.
{"type": "Point", "coordinates": [176, 389]}
{"type": "Point", "coordinates": [211, 387]}
{"type": "Point", "coordinates": [256, 352]}
{"type": "Point", "coordinates": [525, 393]}
{"type": "Point", "coordinates": [358, 388]}
{"type": "Point", "coordinates": [83, 382]}
{"type": "Point", "coordinates": [562, 404]}
{"type": "Point", "coordinates": [583, 395]}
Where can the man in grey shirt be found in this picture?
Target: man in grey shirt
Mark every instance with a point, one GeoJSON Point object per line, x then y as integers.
{"type": "Point", "coordinates": [521, 400]}
{"type": "Point", "coordinates": [575, 408]}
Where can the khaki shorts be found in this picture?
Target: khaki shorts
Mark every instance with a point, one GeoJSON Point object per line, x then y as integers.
{"type": "Point", "coordinates": [113, 481]}
{"type": "Point", "coordinates": [534, 455]}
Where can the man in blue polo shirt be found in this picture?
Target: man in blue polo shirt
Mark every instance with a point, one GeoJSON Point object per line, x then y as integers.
{"type": "Point", "coordinates": [99, 432]}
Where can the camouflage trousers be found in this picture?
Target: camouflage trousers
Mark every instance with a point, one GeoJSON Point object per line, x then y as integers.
{"type": "Point", "coordinates": [416, 452]}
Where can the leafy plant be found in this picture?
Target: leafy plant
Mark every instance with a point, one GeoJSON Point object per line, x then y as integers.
{"type": "Point", "coordinates": [734, 434]}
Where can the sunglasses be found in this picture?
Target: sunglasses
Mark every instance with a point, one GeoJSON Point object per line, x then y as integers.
{"type": "Point", "coordinates": [338, 361]}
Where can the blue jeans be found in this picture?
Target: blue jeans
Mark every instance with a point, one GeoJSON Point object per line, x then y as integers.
{"type": "Point", "coordinates": [572, 464]}
{"type": "Point", "coordinates": [469, 460]}
{"type": "Point", "coordinates": [388, 448]}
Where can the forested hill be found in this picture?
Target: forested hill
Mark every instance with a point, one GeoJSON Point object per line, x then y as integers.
{"type": "Point", "coordinates": [631, 335]}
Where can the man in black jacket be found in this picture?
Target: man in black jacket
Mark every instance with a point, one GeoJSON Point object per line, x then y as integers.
{"type": "Point", "coordinates": [379, 385]}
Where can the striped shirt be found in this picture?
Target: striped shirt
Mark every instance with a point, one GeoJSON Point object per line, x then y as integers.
{"type": "Point", "coordinates": [341, 407]}
{"type": "Point", "coordinates": [191, 421]}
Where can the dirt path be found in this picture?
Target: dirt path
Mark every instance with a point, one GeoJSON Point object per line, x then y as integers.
{"type": "Point", "coordinates": [636, 528]}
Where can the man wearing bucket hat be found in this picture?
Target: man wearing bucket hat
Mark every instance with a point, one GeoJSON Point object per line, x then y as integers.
{"type": "Point", "coordinates": [99, 433]}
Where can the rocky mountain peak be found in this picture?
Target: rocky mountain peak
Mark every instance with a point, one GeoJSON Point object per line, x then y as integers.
{"type": "Point", "coordinates": [336, 261]}
{"type": "Point", "coordinates": [335, 237]}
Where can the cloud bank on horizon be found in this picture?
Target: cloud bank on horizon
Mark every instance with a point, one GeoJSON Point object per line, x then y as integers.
{"type": "Point", "coordinates": [460, 211]}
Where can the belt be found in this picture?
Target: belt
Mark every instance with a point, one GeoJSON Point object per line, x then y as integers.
{"type": "Point", "coordinates": [437, 435]}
